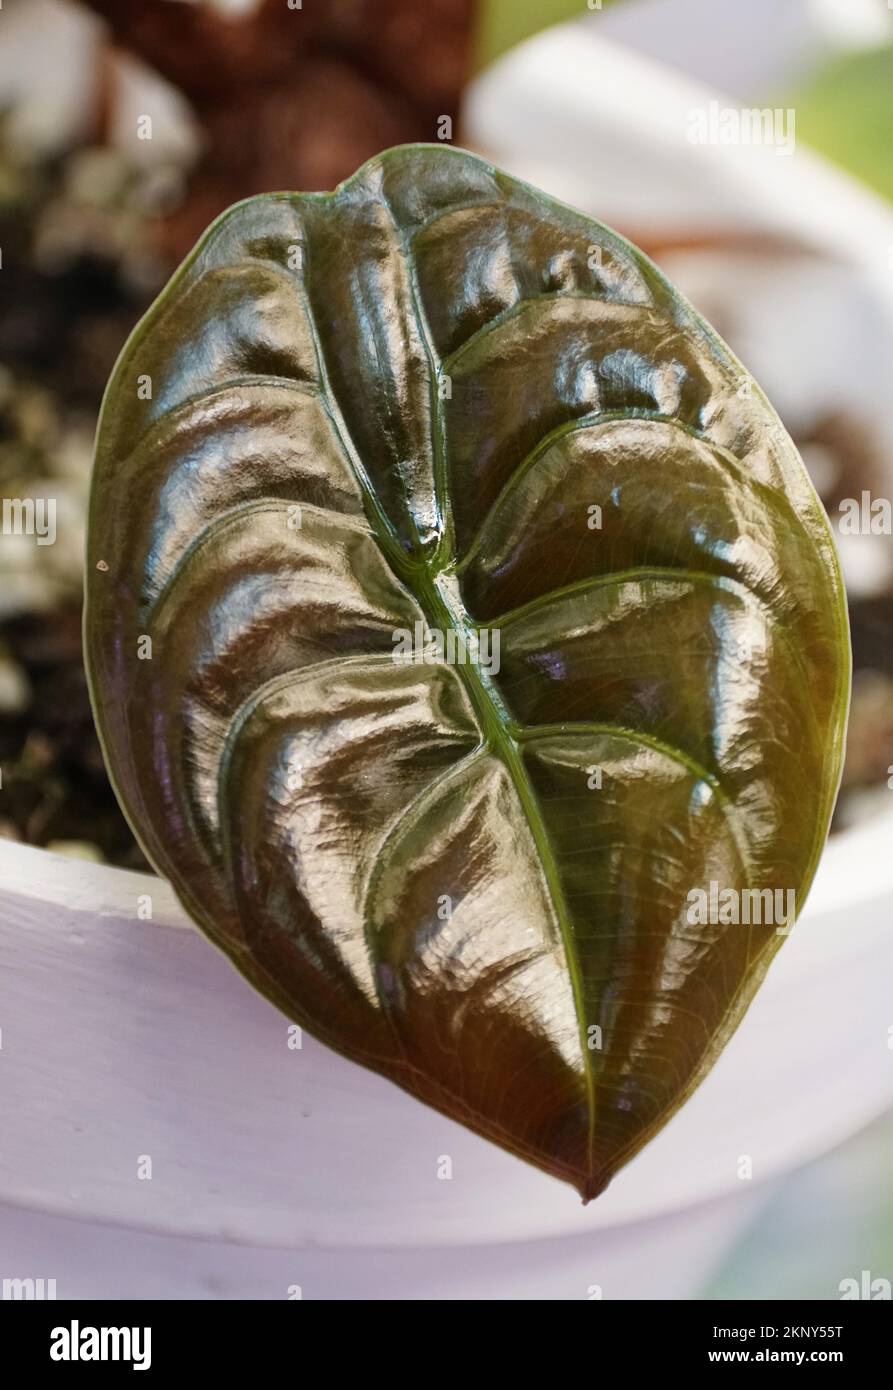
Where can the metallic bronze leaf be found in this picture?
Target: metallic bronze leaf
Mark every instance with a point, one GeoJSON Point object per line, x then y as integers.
{"type": "Point", "coordinates": [437, 402]}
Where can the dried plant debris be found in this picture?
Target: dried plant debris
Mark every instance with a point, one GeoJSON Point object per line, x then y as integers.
{"type": "Point", "coordinates": [77, 270]}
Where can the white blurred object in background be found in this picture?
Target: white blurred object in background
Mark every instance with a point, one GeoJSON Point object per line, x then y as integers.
{"type": "Point", "coordinates": [753, 50]}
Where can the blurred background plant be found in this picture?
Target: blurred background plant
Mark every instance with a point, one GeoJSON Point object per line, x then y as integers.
{"type": "Point", "coordinates": [824, 1225]}
{"type": "Point", "coordinates": [93, 219]}
{"type": "Point", "coordinates": [253, 95]}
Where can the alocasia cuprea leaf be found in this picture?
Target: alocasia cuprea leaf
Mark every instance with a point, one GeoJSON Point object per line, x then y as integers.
{"type": "Point", "coordinates": [468, 646]}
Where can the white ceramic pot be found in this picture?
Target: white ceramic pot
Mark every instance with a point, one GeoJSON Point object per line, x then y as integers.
{"type": "Point", "coordinates": [128, 1039]}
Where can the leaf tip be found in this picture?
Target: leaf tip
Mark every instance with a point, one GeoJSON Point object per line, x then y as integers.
{"type": "Point", "coordinates": [592, 1185]}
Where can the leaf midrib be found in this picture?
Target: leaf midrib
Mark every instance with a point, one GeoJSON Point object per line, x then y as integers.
{"type": "Point", "coordinates": [431, 583]}
{"type": "Point", "coordinates": [433, 593]}
{"type": "Point", "coordinates": [485, 696]}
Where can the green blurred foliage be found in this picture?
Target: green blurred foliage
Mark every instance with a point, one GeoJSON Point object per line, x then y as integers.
{"type": "Point", "coordinates": [846, 112]}
{"type": "Point", "coordinates": [824, 1223]}
{"type": "Point", "coordinates": [505, 23]}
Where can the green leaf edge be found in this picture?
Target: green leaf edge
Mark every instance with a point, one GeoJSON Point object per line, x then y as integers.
{"type": "Point", "coordinates": [485, 699]}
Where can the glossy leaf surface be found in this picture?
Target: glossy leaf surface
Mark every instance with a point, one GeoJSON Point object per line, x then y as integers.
{"type": "Point", "coordinates": [437, 401]}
